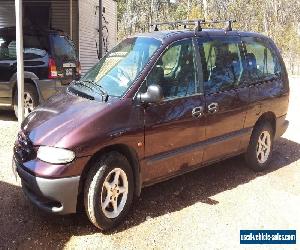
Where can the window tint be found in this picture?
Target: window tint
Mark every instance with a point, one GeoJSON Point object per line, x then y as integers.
{"type": "Point", "coordinates": [170, 59]}
{"type": "Point", "coordinates": [221, 64]}
{"type": "Point", "coordinates": [175, 71]}
{"type": "Point", "coordinates": [260, 62]}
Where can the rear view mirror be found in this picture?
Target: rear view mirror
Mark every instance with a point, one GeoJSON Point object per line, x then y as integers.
{"type": "Point", "coordinates": [153, 94]}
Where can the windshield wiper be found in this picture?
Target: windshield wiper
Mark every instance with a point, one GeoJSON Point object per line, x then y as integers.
{"type": "Point", "coordinates": [82, 84]}
{"type": "Point", "coordinates": [103, 91]}
{"type": "Point", "coordinates": [80, 93]}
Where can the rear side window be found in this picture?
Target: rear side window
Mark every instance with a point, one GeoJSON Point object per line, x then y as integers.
{"type": "Point", "coordinates": [34, 47]}
{"type": "Point", "coordinates": [261, 63]}
{"type": "Point", "coordinates": [62, 49]}
{"type": "Point", "coordinates": [221, 64]}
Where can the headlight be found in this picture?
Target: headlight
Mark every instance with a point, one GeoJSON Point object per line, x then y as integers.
{"type": "Point", "coordinates": [55, 155]}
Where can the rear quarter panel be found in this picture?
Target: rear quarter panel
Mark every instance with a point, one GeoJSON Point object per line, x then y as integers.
{"type": "Point", "coordinates": [269, 96]}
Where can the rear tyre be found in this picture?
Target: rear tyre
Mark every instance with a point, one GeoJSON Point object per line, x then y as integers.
{"type": "Point", "coordinates": [259, 152]}
{"type": "Point", "coordinates": [108, 191]}
{"type": "Point", "coordinates": [31, 99]}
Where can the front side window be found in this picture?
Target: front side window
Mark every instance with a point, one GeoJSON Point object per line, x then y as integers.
{"type": "Point", "coordinates": [261, 63]}
{"type": "Point", "coordinates": [175, 71]}
{"type": "Point", "coordinates": [221, 64]}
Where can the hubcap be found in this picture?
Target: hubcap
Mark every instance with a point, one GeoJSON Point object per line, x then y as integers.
{"type": "Point", "coordinates": [263, 147]}
{"type": "Point", "coordinates": [28, 103]}
{"type": "Point", "coordinates": [114, 193]}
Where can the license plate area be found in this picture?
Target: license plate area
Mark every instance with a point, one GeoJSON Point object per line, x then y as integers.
{"type": "Point", "coordinates": [69, 71]}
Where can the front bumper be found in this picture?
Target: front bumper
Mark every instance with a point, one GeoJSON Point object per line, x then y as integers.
{"type": "Point", "coordinates": [57, 196]}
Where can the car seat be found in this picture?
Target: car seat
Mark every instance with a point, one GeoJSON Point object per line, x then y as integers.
{"type": "Point", "coordinates": [185, 77]}
{"type": "Point", "coordinates": [251, 65]}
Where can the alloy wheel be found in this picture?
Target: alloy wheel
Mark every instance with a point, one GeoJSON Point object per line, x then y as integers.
{"type": "Point", "coordinates": [28, 103]}
{"type": "Point", "coordinates": [114, 193]}
{"type": "Point", "coordinates": [263, 147]}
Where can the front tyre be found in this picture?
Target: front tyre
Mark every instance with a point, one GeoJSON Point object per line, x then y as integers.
{"type": "Point", "coordinates": [108, 191]}
{"type": "Point", "coordinates": [258, 155]}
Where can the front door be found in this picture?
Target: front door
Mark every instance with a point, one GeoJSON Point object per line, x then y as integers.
{"type": "Point", "coordinates": [225, 111]}
{"type": "Point", "coordinates": [175, 127]}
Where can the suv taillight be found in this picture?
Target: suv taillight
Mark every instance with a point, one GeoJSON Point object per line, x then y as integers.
{"type": "Point", "coordinates": [52, 69]}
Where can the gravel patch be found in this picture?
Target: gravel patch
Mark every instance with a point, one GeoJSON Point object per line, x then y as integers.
{"type": "Point", "coordinates": [204, 209]}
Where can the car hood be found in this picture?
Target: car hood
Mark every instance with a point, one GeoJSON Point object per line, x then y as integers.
{"type": "Point", "coordinates": [59, 116]}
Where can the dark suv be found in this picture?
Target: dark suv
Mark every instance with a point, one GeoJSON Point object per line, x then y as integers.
{"type": "Point", "coordinates": [50, 62]}
{"type": "Point", "coordinates": [158, 105]}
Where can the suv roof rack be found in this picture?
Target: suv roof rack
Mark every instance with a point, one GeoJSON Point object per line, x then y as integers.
{"type": "Point", "coordinates": [197, 23]}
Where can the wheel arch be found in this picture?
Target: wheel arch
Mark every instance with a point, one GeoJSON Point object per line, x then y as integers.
{"type": "Point", "coordinates": [269, 117]}
{"type": "Point", "coordinates": [123, 149]}
{"type": "Point", "coordinates": [30, 78]}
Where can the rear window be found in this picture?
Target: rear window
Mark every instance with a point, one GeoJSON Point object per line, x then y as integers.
{"type": "Point", "coordinates": [261, 61]}
{"type": "Point", "coordinates": [62, 48]}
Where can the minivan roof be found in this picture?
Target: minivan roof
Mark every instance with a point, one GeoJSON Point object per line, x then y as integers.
{"type": "Point", "coordinates": [165, 35]}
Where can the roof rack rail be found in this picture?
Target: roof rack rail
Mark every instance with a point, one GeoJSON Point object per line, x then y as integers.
{"type": "Point", "coordinates": [197, 23]}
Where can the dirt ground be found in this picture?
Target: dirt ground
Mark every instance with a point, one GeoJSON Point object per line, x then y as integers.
{"type": "Point", "coordinates": [204, 209]}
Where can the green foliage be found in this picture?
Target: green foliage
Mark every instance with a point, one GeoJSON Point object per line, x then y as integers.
{"type": "Point", "coordinates": [279, 19]}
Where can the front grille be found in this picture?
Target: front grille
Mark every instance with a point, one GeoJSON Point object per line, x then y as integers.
{"type": "Point", "coordinates": [23, 149]}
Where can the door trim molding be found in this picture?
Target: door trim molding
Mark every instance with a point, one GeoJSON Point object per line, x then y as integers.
{"type": "Point", "coordinates": [150, 160]}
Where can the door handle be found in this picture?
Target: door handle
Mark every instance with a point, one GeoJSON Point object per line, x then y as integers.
{"type": "Point", "coordinates": [197, 111]}
{"type": "Point", "coordinates": [213, 108]}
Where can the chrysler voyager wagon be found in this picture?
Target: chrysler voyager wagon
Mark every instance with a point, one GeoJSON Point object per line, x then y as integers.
{"type": "Point", "coordinates": [156, 106]}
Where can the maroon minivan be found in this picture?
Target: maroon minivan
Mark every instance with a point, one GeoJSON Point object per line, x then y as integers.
{"type": "Point", "coordinates": [158, 105]}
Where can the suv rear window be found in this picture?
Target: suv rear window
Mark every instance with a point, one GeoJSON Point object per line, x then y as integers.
{"type": "Point", "coordinates": [62, 49]}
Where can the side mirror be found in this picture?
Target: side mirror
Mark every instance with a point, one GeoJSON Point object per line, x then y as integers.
{"type": "Point", "coordinates": [154, 94]}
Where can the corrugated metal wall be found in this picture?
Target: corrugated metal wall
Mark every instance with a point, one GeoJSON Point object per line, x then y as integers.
{"type": "Point", "coordinates": [110, 15]}
{"type": "Point", "coordinates": [88, 35]}
{"type": "Point", "coordinates": [60, 17]}
{"type": "Point", "coordinates": [88, 30]}
{"type": "Point", "coordinates": [7, 13]}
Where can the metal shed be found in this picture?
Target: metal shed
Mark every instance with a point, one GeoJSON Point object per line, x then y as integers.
{"type": "Point", "coordinates": [78, 18]}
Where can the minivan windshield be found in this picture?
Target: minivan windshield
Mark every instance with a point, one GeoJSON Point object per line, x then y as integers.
{"type": "Point", "coordinates": [118, 69]}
